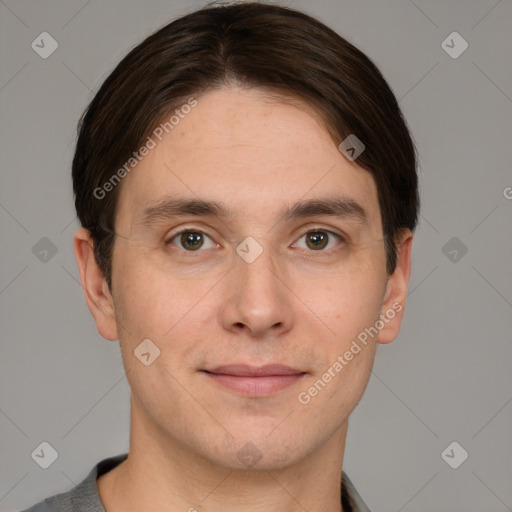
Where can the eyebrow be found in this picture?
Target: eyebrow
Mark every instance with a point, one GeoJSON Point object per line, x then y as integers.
{"type": "Point", "coordinates": [339, 207]}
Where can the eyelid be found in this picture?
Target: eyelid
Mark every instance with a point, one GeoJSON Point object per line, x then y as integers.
{"type": "Point", "coordinates": [317, 227]}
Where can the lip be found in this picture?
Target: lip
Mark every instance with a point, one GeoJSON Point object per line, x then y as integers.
{"type": "Point", "coordinates": [246, 370]}
{"type": "Point", "coordinates": [255, 381]}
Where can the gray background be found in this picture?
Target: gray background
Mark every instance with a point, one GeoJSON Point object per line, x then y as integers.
{"type": "Point", "coordinates": [447, 377]}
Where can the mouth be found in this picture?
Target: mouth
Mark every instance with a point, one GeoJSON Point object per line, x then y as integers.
{"type": "Point", "coordinates": [255, 381]}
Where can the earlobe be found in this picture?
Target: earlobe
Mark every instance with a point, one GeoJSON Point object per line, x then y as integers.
{"type": "Point", "coordinates": [96, 292]}
{"type": "Point", "coordinates": [396, 292]}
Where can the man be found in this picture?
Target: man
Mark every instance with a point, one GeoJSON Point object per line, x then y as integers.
{"type": "Point", "coordinates": [247, 189]}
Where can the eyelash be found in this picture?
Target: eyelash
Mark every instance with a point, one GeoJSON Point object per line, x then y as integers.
{"type": "Point", "coordinates": [340, 238]}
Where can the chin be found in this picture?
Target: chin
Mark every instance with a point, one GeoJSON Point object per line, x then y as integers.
{"type": "Point", "coordinates": [254, 449]}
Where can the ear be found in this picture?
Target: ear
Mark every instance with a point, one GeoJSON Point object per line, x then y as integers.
{"type": "Point", "coordinates": [96, 292]}
{"type": "Point", "coordinates": [396, 292]}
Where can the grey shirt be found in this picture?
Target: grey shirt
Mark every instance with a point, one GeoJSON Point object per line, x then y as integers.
{"type": "Point", "coordinates": [85, 496]}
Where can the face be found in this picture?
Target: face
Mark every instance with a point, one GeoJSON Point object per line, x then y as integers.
{"type": "Point", "coordinates": [258, 299]}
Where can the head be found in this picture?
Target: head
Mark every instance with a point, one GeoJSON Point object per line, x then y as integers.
{"type": "Point", "coordinates": [226, 124]}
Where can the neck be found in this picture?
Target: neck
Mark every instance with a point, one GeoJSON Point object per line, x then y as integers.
{"type": "Point", "coordinates": [162, 475]}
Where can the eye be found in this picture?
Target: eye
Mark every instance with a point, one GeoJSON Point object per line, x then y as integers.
{"type": "Point", "coordinates": [318, 240]}
{"type": "Point", "coordinates": [191, 240]}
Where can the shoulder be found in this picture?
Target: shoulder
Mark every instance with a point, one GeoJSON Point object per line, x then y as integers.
{"type": "Point", "coordinates": [39, 507]}
{"type": "Point", "coordinates": [58, 503]}
{"type": "Point", "coordinates": [83, 497]}
{"type": "Point", "coordinates": [63, 502]}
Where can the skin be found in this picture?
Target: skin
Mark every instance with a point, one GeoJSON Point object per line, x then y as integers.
{"type": "Point", "coordinates": [293, 305]}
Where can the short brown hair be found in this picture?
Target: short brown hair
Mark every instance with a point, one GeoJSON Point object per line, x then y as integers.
{"type": "Point", "coordinates": [254, 45]}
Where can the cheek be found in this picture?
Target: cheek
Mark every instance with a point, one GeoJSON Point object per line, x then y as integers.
{"type": "Point", "coordinates": [345, 390]}
{"type": "Point", "coordinates": [148, 300]}
{"type": "Point", "coordinates": [151, 304]}
{"type": "Point", "coordinates": [345, 301]}
{"type": "Point", "coordinates": [349, 305]}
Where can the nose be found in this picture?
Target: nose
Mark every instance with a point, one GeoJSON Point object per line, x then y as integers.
{"type": "Point", "coordinates": [258, 297]}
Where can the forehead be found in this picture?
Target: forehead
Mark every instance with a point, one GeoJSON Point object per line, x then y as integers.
{"type": "Point", "coordinates": [248, 150]}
